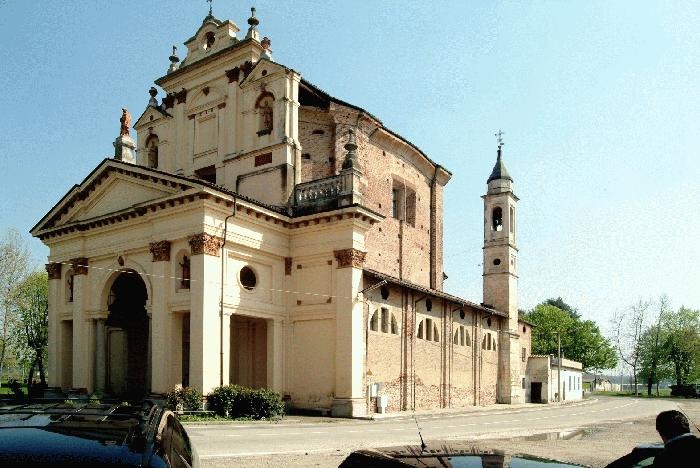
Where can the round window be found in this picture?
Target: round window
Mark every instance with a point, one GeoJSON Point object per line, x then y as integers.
{"type": "Point", "coordinates": [497, 261]}
{"type": "Point", "coordinates": [248, 278]}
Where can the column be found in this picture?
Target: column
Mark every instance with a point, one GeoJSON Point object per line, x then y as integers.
{"type": "Point", "coordinates": [159, 323]}
{"type": "Point", "coordinates": [205, 323]}
{"type": "Point", "coordinates": [81, 326]}
{"type": "Point", "coordinates": [54, 349]}
{"type": "Point", "coordinates": [349, 398]}
{"type": "Point", "coordinates": [100, 355]}
{"type": "Point", "coordinates": [275, 354]}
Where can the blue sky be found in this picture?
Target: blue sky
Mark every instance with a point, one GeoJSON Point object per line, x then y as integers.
{"type": "Point", "coordinates": [599, 103]}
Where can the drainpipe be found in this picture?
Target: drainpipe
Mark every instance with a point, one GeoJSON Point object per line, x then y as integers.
{"type": "Point", "coordinates": [221, 302]}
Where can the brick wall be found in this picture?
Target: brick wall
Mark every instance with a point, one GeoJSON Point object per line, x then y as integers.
{"type": "Point", "coordinates": [444, 372]}
{"type": "Point", "coordinates": [317, 138]}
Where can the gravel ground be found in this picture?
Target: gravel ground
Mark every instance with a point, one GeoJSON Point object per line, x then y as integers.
{"type": "Point", "coordinates": [594, 446]}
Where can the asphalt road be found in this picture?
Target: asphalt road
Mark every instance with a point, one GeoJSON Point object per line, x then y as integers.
{"type": "Point", "coordinates": [299, 435]}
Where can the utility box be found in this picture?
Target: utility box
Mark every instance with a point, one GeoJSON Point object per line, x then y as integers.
{"type": "Point", "coordinates": [382, 404]}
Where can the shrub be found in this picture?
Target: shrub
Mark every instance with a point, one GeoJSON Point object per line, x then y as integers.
{"type": "Point", "coordinates": [236, 402]}
{"type": "Point", "coordinates": [186, 398]}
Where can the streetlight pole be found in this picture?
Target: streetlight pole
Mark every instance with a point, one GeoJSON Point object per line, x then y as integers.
{"type": "Point", "coordinates": [559, 367]}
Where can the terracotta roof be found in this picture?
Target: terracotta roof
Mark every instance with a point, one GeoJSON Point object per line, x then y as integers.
{"type": "Point", "coordinates": [431, 292]}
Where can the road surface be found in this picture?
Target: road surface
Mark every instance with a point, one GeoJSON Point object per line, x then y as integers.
{"type": "Point", "coordinates": [299, 435]}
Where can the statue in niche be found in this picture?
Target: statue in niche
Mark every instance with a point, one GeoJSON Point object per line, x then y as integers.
{"type": "Point", "coordinates": [125, 121]}
{"type": "Point", "coordinates": [264, 105]}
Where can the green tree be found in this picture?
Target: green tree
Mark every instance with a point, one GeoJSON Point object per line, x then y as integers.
{"type": "Point", "coordinates": [30, 302]}
{"type": "Point", "coordinates": [683, 344]}
{"type": "Point", "coordinates": [581, 340]}
{"type": "Point", "coordinates": [549, 321]}
{"type": "Point", "coordinates": [560, 304]}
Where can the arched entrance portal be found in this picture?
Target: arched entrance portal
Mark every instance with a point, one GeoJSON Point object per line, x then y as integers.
{"type": "Point", "coordinates": [127, 336]}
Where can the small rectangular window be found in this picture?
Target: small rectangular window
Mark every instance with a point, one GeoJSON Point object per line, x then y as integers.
{"type": "Point", "coordinates": [395, 197]}
{"type": "Point", "coordinates": [523, 382]}
{"type": "Point", "coordinates": [524, 353]}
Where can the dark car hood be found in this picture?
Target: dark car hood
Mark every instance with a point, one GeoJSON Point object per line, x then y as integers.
{"type": "Point", "coordinates": [31, 446]}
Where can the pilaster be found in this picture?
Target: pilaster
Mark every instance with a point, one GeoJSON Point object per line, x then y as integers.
{"type": "Point", "coordinates": [160, 325]}
{"type": "Point", "coordinates": [54, 349]}
{"type": "Point", "coordinates": [205, 332]}
{"type": "Point", "coordinates": [349, 398]}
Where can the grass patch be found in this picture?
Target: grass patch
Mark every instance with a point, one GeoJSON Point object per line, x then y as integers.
{"type": "Point", "coordinates": [663, 393]}
{"type": "Point", "coordinates": [6, 390]}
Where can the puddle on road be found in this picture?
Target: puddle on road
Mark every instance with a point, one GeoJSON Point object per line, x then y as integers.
{"type": "Point", "coordinates": [560, 435]}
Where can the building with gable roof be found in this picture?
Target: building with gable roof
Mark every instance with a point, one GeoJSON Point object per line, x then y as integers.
{"type": "Point", "coordinates": [262, 232]}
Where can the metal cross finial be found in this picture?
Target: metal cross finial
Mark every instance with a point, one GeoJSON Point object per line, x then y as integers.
{"type": "Point", "coordinates": [209, 2]}
{"type": "Point", "coordinates": [499, 137]}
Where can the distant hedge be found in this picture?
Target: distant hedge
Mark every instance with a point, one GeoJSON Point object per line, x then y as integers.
{"type": "Point", "coordinates": [236, 402]}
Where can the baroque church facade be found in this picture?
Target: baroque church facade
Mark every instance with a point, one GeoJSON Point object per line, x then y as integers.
{"type": "Point", "coordinates": [262, 232]}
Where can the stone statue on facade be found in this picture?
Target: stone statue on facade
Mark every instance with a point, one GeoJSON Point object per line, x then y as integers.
{"type": "Point", "coordinates": [125, 121]}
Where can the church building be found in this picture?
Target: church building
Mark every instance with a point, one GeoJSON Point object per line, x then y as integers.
{"type": "Point", "coordinates": [259, 231]}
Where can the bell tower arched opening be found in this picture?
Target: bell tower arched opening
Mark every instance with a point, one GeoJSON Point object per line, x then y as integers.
{"type": "Point", "coordinates": [127, 336]}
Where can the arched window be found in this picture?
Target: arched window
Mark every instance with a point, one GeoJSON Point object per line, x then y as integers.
{"type": "Point", "coordinates": [152, 151]}
{"type": "Point", "coordinates": [428, 330]}
{"type": "Point", "coordinates": [511, 220]}
{"type": "Point", "coordinates": [263, 107]}
{"type": "Point", "coordinates": [497, 219]}
{"type": "Point", "coordinates": [384, 321]}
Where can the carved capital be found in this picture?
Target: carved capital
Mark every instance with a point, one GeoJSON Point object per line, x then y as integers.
{"type": "Point", "coordinates": [54, 270]}
{"type": "Point", "coordinates": [206, 244]}
{"type": "Point", "coordinates": [287, 266]}
{"type": "Point", "coordinates": [350, 258]}
{"type": "Point", "coordinates": [232, 74]}
{"type": "Point", "coordinates": [160, 251]}
{"type": "Point", "coordinates": [181, 96]}
{"type": "Point", "coordinates": [80, 266]}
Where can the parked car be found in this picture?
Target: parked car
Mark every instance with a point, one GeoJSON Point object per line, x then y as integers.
{"type": "Point", "coordinates": [446, 454]}
{"type": "Point", "coordinates": [87, 434]}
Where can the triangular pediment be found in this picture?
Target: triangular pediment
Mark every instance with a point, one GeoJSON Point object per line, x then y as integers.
{"type": "Point", "coordinates": [113, 187]}
{"type": "Point", "coordinates": [150, 116]}
{"type": "Point", "coordinates": [269, 68]}
{"type": "Point", "coordinates": [117, 193]}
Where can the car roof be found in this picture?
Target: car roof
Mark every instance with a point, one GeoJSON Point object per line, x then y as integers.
{"type": "Point", "coordinates": [67, 432]}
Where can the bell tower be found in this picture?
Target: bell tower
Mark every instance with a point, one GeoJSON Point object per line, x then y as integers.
{"type": "Point", "coordinates": [501, 273]}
